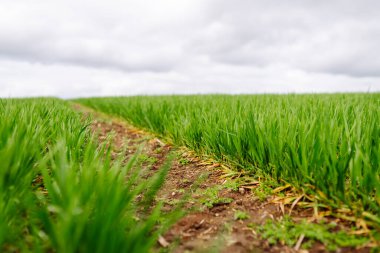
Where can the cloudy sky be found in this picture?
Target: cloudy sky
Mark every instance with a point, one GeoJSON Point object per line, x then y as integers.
{"type": "Point", "coordinates": [73, 48]}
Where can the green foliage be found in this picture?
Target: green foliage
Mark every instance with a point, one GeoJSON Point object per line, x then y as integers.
{"type": "Point", "coordinates": [232, 185]}
{"type": "Point", "coordinates": [240, 215]}
{"type": "Point", "coordinates": [265, 189]}
{"type": "Point", "coordinates": [210, 197]}
{"type": "Point", "coordinates": [60, 190]}
{"type": "Point", "coordinates": [331, 142]}
{"type": "Point", "coordinates": [143, 158]}
{"type": "Point", "coordinates": [287, 232]}
{"type": "Point", "coordinates": [184, 161]}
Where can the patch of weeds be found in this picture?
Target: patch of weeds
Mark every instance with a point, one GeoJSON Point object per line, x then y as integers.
{"type": "Point", "coordinates": [288, 233]}
{"type": "Point", "coordinates": [143, 158]}
{"type": "Point", "coordinates": [232, 185]}
{"type": "Point", "coordinates": [210, 197]}
{"type": "Point", "coordinates": [251, 225]}
{"type": "Point", "coordinates": [240, 215]}
{"type": "Point", "coordinates": [158, 150]}
{"type": "Point", "coordinates": [263, 191]}
{"type": "Point", "coordinates": [184, 161]}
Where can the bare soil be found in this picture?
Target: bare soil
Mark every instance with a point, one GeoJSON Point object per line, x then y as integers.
{"type": "Point", "coordinates": [202, 229]}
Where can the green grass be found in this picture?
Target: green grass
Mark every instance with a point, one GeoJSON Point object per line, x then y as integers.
{"type": "Point", "coordinates": [331, 142]}
{"type": "Point", "coordinates": [209, 197]}
{"type": "Point", "coordinates": [240, 215]}
{"type": "Point", "coordinates": [60, 191]}
{"type": "Point", "coordinates": [287, 232]}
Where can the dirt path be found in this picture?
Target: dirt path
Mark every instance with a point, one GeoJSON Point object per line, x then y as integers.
{"type": "Point", "coordinates": [221, 217]}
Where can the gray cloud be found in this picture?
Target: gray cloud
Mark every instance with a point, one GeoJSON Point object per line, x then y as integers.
{"type": "Point", "coordinates": [188, 46]}
{"type": "Point", "coordinates": [95, 34]}
{"type": "Point", "coordinates": [338, 37]}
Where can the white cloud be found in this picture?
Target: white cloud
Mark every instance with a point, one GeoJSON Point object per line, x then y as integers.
{"type": "Point", "coordinates": [93, 48]}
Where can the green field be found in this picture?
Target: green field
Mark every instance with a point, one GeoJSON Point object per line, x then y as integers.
{"type": "Point", "coordinates": [61, 190]}
{"type": "Point", "coordinates": [330, 142]}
